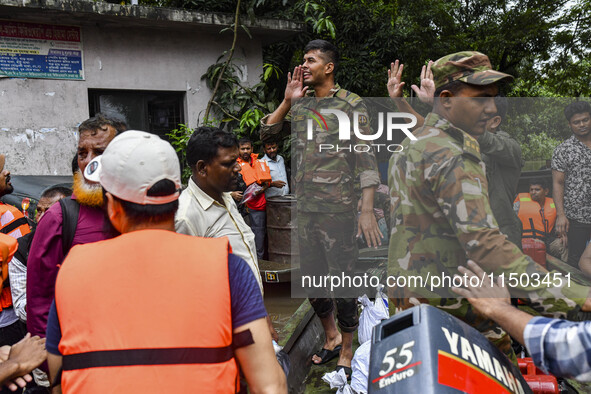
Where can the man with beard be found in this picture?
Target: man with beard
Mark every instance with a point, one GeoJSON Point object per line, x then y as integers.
{"type": "Point", "coordinates": [14, 224]}
{"type": "Point", "coordinates": [47, 252]}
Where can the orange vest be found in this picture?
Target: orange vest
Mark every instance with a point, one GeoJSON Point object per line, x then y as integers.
{"type": "Point", "coordinates": [15, 225]}
{"type": "Point", "coordinates": [259, 172]}
{"type": "Point", "coordinates": [8, 247]}
{"type": "Point", "coordinates": [537, 222]}
{"type": "Point", "coordinates": [147, 312]}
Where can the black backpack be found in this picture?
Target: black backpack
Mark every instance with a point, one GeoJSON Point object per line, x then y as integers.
{"type": "Point", "coordinates": [70, 212]}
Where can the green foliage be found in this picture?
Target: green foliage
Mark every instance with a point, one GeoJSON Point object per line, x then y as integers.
{"type": "Point", "coordinates": [179, 138]}
{"type": "Point", "coordinates": [543, 43]}
{"type": "Point", "coordinates": [239, 106]}
{"type": "Point", "coordinates": [539, 146]}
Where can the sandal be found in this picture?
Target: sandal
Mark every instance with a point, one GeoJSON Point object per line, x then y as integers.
{"type": "Point", "coordinates": [326, 355]}
{"type": "Point", "coordinates": [348, 371]}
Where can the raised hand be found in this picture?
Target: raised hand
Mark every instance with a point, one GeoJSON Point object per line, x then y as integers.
{"type": "Point", "coordinates": [427, 90]}
{"type": "Point", "coordinates": [295, 84]}
{"type": "Point", "coordinates": [394, 79]}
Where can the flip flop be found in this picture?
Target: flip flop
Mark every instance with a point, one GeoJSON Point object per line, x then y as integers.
{"type": "Point", "coordinates": [348, 371]}
{"type": "Point", "coordinates": [326, 355]}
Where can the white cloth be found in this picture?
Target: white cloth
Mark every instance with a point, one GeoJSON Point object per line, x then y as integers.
{"type": "Point", "coordinates": [360, 368]}
{"type": "Point", "coordinates": [201, 215]}
{"type": "Point", "coordinates": [278, 173]}
{"type": "Point", "coordinates": [17, 273]}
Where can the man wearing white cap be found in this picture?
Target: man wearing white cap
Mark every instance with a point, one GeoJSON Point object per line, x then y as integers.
{"type": "Point", "coordinates": [153, 310]}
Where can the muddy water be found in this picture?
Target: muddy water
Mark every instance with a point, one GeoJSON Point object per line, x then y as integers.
{"type": "Point", "coordinates": [279, 304]}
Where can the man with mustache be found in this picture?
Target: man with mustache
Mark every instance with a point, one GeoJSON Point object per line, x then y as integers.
{"type": "Point", "coordinates": [571, 177]}
{"type": "Point", "coordinates": [206, 208]}
{"type": "Point", "coordinates": [47, 252]}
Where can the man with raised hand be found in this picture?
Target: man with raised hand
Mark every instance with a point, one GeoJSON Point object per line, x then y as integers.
{"type": "Point", "coordinates": [323, 184]}
{"type": "Point", "coordinates": [440, 203]}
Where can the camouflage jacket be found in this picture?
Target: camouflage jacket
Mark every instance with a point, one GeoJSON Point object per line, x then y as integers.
{"type": "Point", "coordinates": [323, 178]}
{"type": "Point", "coordinates": [441, 215]}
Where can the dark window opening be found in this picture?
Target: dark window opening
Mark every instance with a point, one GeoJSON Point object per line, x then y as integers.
{"type": "Point", "coordinates": [157, 112]}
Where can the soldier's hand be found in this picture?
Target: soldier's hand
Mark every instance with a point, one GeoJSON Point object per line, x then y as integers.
{"type": "Point", "coordinates": [278, 184]}
{"type": "Point", "coordinates": [561, 225]}
{"type": "Point", "coordinates": [368, 226]}
{"type": "Point", "coordinates": [427, 90]}
{"type": "Point", "coordinates": [394, 79]}
{"type": "Point", "coordinates": [295, 85]}
{"type": "Point", "coordinates": [484, 297]}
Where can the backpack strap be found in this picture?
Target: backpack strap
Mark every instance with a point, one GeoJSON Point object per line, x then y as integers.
{"type": "Point", "coordinates": [24, 247]}
{"type": "Point", "coordinates": [70, 212]}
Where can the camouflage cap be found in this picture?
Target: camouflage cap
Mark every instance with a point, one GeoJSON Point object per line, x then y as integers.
{"type": "Point", "coordinates": [470, 67]}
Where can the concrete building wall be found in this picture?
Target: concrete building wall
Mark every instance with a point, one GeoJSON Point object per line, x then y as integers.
{"type": "Point", "coordinates": [39, 117]}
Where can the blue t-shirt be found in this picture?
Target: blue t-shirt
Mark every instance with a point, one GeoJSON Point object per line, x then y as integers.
{"type": "Point", "coordinates": [246, 300]}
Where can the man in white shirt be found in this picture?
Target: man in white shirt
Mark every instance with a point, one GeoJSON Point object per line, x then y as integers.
{"type": "Point", "coordinates": [279, 186]}
{"type": "Point", "coordinates": [206, 208]}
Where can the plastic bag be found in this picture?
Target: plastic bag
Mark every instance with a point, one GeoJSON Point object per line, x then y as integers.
{"type": "Point", "coordinates": [250, 191]}
{"type": "Point", "coordinates": [372, 314]}
{"type": "Point", "coordinates": [338, 380]}
{"type": "Point", "coordinates": [360, 367]}
{"type": "Point", "coordinates": [282, 358]}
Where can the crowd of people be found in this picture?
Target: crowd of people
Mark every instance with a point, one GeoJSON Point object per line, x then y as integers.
{"type": "Point", "coordinates": [135, 284]}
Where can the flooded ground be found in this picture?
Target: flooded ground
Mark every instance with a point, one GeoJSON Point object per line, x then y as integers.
{"type": "Point", "coordinates": [281, 307]}
{"type": "Point", "coordinates": [279, 304]}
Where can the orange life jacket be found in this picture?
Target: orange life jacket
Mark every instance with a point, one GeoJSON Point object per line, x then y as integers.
{"type": "Point", "coordinates": [537, 222]}
{"type": "Point", "coordinates": [258, 172]}
{"type": "Point", "coordinates": [8, 247]}
{"type": "Point", "coordinates": [147, 312]}
{"type": "Point", "coordinates": [14, 225]}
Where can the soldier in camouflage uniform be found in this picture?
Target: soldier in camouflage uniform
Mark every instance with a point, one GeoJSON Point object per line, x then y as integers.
{"type": "Point", "coordinates": [440, 206]}
{"type": "Point", "coordinates": [323, 184]}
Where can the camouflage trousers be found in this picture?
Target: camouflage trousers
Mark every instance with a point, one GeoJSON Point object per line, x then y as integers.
{"type": "Point", "coordinates": [327, 246]}
{"type": "Point", "coordinates": [461, 309]}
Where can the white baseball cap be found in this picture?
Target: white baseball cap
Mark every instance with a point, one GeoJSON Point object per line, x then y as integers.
{"type": "Point", "coordinates": [132, 163]}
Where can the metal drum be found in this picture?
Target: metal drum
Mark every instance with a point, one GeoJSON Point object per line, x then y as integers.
{"type": "Point", "coordinates": [282, 229]}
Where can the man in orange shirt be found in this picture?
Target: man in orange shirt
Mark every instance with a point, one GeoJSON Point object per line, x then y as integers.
{"type": "Point", "coordinates": [255, 171]}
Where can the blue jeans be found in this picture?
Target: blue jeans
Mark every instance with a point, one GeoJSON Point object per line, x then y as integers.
{"type": "Point", "coordinates": [258, 224]}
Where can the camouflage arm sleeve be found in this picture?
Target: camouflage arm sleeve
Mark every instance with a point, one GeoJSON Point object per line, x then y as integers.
{"type": "Point", "coordinates": [275, 131]}
{"type": "Point", "coordinates": [502, 148]}
{"type": "Point", "coordinates": [460, 188]}
{"type": "Point", "coordinates": [366, 165]}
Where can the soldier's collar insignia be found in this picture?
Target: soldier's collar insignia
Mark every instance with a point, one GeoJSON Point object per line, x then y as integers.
{"type": "Point", "coordinates": [471, 147]}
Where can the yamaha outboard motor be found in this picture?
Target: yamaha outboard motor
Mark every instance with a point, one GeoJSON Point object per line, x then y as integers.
{"type": "Point", "coordinates": [425, 350]}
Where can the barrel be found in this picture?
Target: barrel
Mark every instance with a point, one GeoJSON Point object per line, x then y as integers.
{"type": "Point", "coordinates": [282, 230]}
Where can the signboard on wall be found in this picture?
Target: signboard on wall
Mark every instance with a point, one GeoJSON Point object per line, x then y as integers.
{"type": "Point", "coordinates": [34, 50]}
